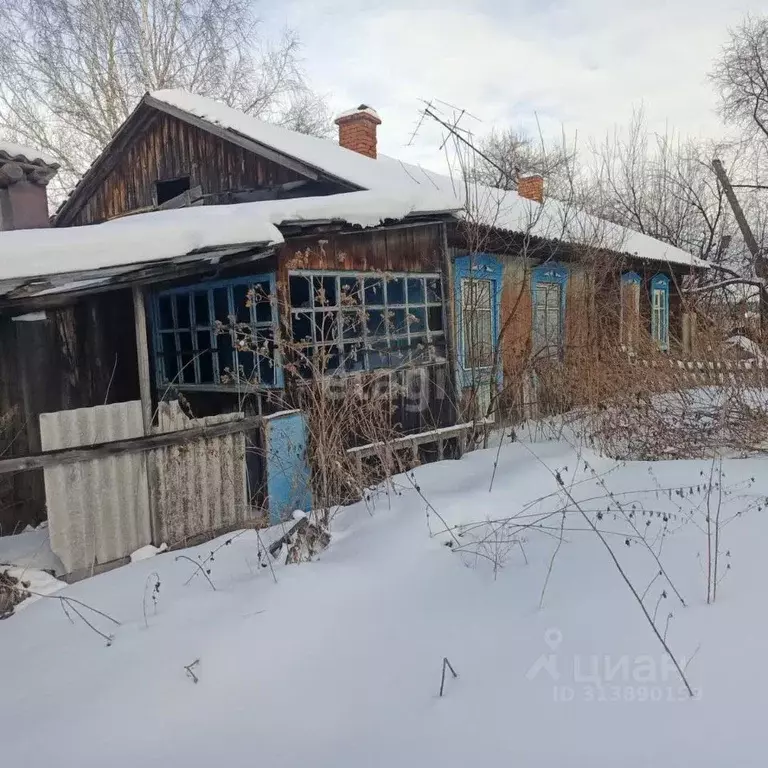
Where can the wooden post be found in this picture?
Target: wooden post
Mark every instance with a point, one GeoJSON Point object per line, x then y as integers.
{"type": "Point", "coordinates": [452, 390]}
{"type": "Point", "coordinates": [142, 352]}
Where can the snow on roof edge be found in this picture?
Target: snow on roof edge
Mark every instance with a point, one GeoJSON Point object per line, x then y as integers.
{"type": "Point", "coordinates": [11, 151]}
{"type": "Point", "coordinates": [163, 235]}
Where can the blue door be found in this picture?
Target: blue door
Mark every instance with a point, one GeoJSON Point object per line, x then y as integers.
{"type": "Point", "coordinates": [288, 474]}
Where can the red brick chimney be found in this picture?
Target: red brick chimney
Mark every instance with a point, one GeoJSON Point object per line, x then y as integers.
{"type": "Point", "coordinates": [531, 187]}
{"type": "Point", "coordinates": [24, 175]}
{"type": "Point", "coordinates": [357, 130]}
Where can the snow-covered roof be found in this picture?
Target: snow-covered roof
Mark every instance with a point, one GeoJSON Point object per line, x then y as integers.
{"type": "Point", "coordinates": [389, 190]}
{"type": "Point", "coordinates": [492, 207]}
{"type": "Point", "coordinates": [11, 151]}
{"type": "Point", "coordinates": [160, 235]}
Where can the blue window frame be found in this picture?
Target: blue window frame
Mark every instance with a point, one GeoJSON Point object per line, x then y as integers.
{"type": "Point", "coordinates": [477, 287]}
{"type": "Point", "coordinates": [548, 288]}
{"type": "Point", "coordinates": [356, 321]}
{"type": "Point", "coordinates": [660, 311]}
{"type": "Point", "coordinates": [217, 334]}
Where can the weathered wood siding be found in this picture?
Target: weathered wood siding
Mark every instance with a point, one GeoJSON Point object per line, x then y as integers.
{"type": "Point", "coordinates": [79, 356]}
{"type": "Point", "coordinates": [402, 249]}
{"type": "Point", "coordinates": [163, 147]}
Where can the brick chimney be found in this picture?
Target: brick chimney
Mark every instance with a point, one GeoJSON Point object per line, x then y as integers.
{"type": "Point", "coordinates": [357, 130]}
{"type": "Point", "coordinates": [24, 175]}
{"type": "Point", "coordinates": [531, 187]}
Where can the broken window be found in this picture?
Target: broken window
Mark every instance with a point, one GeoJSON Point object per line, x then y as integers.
{"type": "Point", "coordinates": [346, 321]}
{"type": "Point", "coordinates": [167, 190]}
{"type": "Point", "coordinates": [218, 334]}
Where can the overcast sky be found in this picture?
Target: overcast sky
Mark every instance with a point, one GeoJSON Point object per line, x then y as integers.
{"type": "Point", "coordinates": [581, 64]}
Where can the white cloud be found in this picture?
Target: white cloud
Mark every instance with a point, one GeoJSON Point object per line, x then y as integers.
{"type": "Point", "coordinates": [579, 64]}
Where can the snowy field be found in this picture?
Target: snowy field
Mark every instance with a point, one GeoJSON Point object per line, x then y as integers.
{"type": "Point", "coordinates": [338, 662]}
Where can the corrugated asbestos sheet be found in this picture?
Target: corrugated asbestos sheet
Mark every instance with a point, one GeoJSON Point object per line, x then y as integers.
{"type": "Point", "coordinates": [98, 511]}
{"type": "Point", "coordinates": [198, 488]}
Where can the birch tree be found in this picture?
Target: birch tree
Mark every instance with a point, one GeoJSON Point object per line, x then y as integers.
{"type": "Point", "coordinates": [71, 71]}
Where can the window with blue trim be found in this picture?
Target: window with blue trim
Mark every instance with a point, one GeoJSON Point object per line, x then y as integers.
{"type": "Point", "coordinates": [348, 321]}
{"type": "Point", "coordinates": [660, 311]}
{"type": "Point", "coordinates": [217, 334]}
{"type": "Point", "coordinates": [548, 285]}
{"type": "Point", "coordinates": [478, 280]}
{"type": "Point", "coordinates": [629, 320]}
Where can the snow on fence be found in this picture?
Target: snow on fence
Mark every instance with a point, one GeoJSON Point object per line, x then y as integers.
{"type": "Point", "coordinates": [710, 373]}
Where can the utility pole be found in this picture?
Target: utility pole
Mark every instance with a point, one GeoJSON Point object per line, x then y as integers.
{"type": "Point", "coordinates": [758, 259]}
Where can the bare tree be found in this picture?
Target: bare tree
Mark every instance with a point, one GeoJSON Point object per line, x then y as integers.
{"type": "Point", "coordinates": [506, 154]}
{"type": "Point", "coordinates": [71, 71]}
{"type": "Point", "coordinates": [740, 75]}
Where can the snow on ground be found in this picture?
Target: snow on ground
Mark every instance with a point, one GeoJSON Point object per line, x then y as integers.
{"type": "Point", "coordinates": [338, 663]}
{"type": "Point", "coordinates": [31, 548]}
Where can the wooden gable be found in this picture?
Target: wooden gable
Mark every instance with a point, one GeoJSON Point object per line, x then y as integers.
{"type": "Point", "coordinates": [155, 146]}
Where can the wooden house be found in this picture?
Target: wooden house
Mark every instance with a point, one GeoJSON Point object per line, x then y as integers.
{"type": "Point", "coordinates": [204, 250]}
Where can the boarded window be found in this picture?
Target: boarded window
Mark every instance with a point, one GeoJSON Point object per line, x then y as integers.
{"type": "Point", "coordinates": [477, 322]}
{"type": "Point", "coordinates": [547, 319]}
{"type": "Point", "coordinates": [353, 321]}
{"type": "Point", "coordinates": [629, 327]}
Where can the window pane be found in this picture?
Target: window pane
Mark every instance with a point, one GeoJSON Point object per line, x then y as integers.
{"type": "Point", "coordinates": [374, 291]}
{"type": "Point", "coordinates": [169, 357]}
{"type": "Point", "coordinates": [302, 327]}
{"type": "Point", "coordinates": [205, 361]}
{"type": "Point", "coordinates": [261, 302]}
{"type": "Point", "coordinates": [378, 355]}
{"type": "Point", "coordinates": [225, 361]}
{"type": "Point", "coordinates": [202, 314]}
{"type": "Point", "coordinates": [299, 287]}
{"type": "Point", "coordinates": [242, 303]}
{"type": "Point", "coordinates": [435, 318]}
{"type": "Point", "coordinates": [350, 291]}
{"type": "Point", "coordinates": [221, 305]}
{"type": "Point", "coordinates": [353, 357]}
{"type": "Point", "coordinates": [352, 323]}
{"type": "Point", "coordinates": [547, 319]}
{"type": "Point", "coordinates": [396, 290]}
{"type": "Point", "coordinates": [417, 320]}
{"type": "Point", "coordinates": [415, 290]}
{"type": "Point", "coordinates": [325, 291]}
{"type": "Point", "coordinates": [326, 326]}
{"type": "Point", "coordinates": [182, 311]}
{"type": "Point", "coordinates": [375, 324]}
{"type": "Point", "coordinates": [434, 292]}
{"type": "Point", "coordinates": [247, 366]}
{"type": "Point", "coordinates": [398, 321]}
{"type": "Point", "coordinates": [165, 312]}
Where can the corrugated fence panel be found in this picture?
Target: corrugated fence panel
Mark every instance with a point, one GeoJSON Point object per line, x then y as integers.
{"type": "Point", "coordinates": [98, 511]}
{"type": "Point", "coordinates": [198, 488]}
